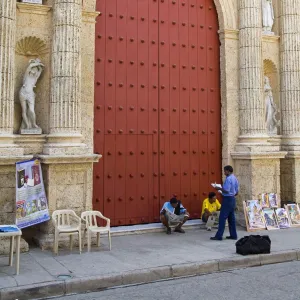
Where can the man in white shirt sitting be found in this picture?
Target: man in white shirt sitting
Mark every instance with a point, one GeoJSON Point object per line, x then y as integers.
{"type": "Point", "coordinates": [173, 213]}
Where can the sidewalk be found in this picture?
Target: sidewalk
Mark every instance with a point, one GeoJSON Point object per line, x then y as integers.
{"type": "Point", "coordinates": [135, 259]}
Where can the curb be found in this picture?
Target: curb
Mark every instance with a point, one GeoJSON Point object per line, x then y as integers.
{"type": "Point", "coordinates": [97, 283]}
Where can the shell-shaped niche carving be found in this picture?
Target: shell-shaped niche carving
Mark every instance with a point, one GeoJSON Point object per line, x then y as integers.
{"type": "Point", "coordinates": [31, 46]}
{"type": "Point", "coordinates": [269, 67]}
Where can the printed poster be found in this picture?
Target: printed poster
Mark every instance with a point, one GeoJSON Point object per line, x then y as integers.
{"type": "Point", "coordinates": [31, 201]}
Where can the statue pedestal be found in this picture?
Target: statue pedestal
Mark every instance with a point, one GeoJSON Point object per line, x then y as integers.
{"type": "Point", "coordinates": [31, 131]}
{"type": "Point", "coordinates": [266, 32]}
{"type": "Point", "coordinates": [33, 1]}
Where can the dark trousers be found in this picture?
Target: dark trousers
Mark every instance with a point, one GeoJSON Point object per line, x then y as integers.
{"type": "Point", "coordinates": [227, 212]}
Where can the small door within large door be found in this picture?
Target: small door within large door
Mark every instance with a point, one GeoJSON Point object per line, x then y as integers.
{"type": "Point", "coordinates": [157, 106]}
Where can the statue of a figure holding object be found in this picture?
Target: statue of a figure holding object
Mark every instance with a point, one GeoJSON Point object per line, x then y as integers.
{"type": "Point", "coordinates": [267, 15]}
{"type": "Point", "coordinates": [27, 97]}
{"type": "Point", "coordinates": [271, 110]}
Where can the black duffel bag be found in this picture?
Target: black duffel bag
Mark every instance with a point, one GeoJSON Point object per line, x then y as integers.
{"type": "Point", "coordinates": [253, 244]}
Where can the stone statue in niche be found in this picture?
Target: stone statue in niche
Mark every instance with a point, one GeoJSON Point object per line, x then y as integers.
{"type": "Point", "coordinates": [267, 16]}
{"type": "Point", "coordinates": [271, 110]}
{"type": "Point", "coordinates": [27, 97]}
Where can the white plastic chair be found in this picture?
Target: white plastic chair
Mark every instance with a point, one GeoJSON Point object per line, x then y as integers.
{"type": "Point", "coordinates": [90, 219]}
{"type": "Point", "coordinates": [62, 220]}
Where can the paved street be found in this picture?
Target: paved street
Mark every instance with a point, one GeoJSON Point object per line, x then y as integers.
{"type": "Point", "coordinates": [280, 281]}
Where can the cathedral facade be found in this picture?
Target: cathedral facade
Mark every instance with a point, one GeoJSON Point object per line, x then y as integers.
{"type": "Point", "coordinates": [139, 101]}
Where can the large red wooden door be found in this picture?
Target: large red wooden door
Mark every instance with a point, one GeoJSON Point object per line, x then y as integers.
{"type": "Point", "coordinates": [157, 106]}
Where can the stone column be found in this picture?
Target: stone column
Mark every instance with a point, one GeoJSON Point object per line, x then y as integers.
{"type": "Point", "coordinates": [290, 67]}
{"type": "Point", "coordinates": [290, 98]}
{"type": "Point", "coordinates": [65, 119]}
{"type": "Point", "coordinates": [7, 64]}
{"type": "Point", "coordinates": [67, 162]}
{"type": "Point", "coordinates": [251, 97]}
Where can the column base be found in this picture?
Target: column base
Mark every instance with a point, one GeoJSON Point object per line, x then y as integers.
{"type": "Point", "coordinates": [257, 172]}
{"type": "Point", "coordinates": [290, 169]}
{"type": "Point", "coordinates": [8, 147]}
{"type": "Point", "coordinates": [290, 177]}
{"type": "Point", "coordinates": [290, 143]}
{"type": "Point", "coordinates": [258, 144]}
{"type": "Point", "coordinates": [69, 185]}
{"type": "Point", "coordinates": [65, 144]}
{"type": "Point", "coordinates": [43, 240]}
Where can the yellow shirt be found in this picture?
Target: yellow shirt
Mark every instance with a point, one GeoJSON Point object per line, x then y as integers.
{"type": "Point", "coordinates": [210, 206]}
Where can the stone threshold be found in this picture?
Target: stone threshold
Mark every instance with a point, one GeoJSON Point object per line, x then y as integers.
{"type": "Point", "coordinates": [151, 227]}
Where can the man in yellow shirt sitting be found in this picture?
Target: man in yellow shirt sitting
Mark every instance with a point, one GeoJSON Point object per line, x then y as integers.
{"type": "Point", "coordinates": [210, 206]}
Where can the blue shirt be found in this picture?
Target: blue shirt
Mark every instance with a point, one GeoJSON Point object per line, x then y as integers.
{"type": "Point", "coordinates": [168, 206]}
{"type": "Point", "coordinates": [231, 186]}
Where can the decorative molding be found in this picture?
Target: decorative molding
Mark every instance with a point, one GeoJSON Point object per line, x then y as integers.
{"type": "Point", "coordinates": [31, 46]}
{"type": "Point", "coordinates": [229, 34]}
{"type": "Point", "coordinates": [11, 160]}
{"type": "Point", "coordinates": [69, 159]}
{"type": "Point", "coordinates": [258, 155]}
{"type": "Point", "coordinates": [293, 155]}
{"type": "Point", "coordinates": [270, 38]}
{"type": "Point", "coordinates": [89, 16]}
{"type": "Point", "coordinates": [33, 8]}
{"type": "Point", "coordinates": [30, 139]}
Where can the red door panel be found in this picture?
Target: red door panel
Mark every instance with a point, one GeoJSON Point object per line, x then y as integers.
{"type": "Point", "coordinates": [157, 106]}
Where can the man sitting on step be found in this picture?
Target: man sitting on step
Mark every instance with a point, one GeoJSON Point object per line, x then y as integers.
{"type": "Point", "coordinates": [173, 213]}
{"type": "Point", "coordinates": [210, 208]}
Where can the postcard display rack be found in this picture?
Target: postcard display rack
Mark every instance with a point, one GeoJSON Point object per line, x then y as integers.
{"type": "Point", "coordinates": [266, 213]}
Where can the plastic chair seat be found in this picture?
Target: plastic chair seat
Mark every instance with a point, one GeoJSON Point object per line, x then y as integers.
{"type": "Point", "coordinates": [99, 229]}
{"type": "Point", "coordinates": [67, 229]}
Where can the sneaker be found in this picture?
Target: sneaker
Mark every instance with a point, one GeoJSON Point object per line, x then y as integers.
{"type": "Point", "coordinates": [208, 228]}
{"type": "Point", "coordinates": [230, 238]}
{"type": "Point", "coordinates": [180, 230]}
{"type": "Point", "coordinates": [169, 230]}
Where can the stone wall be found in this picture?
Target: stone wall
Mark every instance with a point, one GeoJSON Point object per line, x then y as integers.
{"type": "Point", "coordinates": [67, 159]}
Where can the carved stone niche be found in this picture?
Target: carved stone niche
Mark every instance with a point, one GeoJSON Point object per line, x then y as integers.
{"type": "Point", "coordinates": [28, 48]}
{"type": "Point", "coordinates": [270, 71]}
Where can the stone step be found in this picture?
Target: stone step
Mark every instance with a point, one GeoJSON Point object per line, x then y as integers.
{"type": "Point", "coordinates": [152, 227]}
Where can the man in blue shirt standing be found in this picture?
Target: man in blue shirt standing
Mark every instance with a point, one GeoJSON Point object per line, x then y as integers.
{"type": "Point", "coordinates": [229, 190]}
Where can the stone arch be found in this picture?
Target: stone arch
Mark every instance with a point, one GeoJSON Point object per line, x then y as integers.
{"type": "Point", "coordinates": [227, 14]}
{"type": "Point", "coordinates": [227, 11]}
